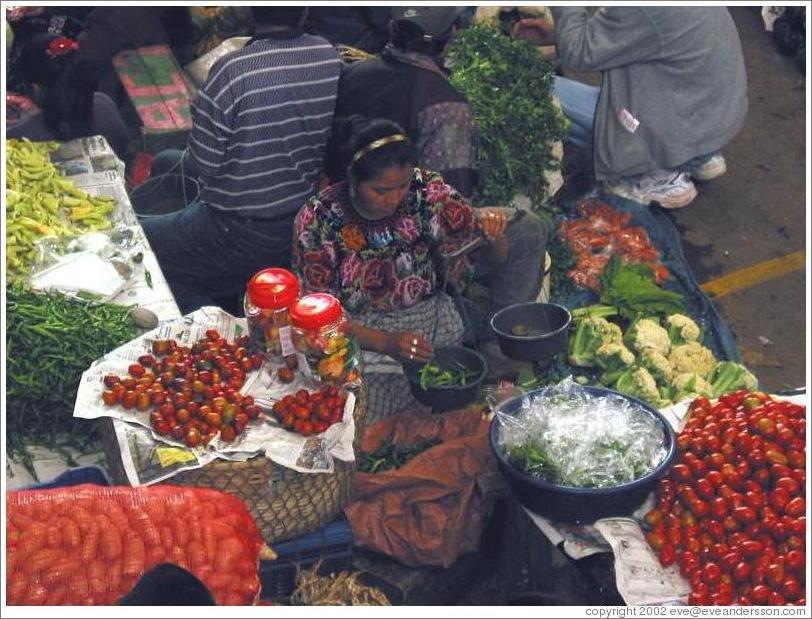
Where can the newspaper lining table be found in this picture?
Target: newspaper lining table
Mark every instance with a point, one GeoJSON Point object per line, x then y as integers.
{"type": "Point", "coordinates": [91, 165]}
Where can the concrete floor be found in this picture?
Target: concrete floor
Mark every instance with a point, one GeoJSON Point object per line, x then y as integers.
{"type": "Point", "coordinates": [757, 212]}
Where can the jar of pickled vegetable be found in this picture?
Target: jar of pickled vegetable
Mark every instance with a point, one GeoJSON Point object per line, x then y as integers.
{"type": "Point", "coordinates": [322, 336]}
{"type": "Point", "coordinates": [268, 297]}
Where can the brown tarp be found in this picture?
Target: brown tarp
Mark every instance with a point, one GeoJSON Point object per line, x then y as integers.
{"type": "Point", "coordinates": [428, 512]}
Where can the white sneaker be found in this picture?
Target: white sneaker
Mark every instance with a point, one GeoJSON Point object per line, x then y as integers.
{"type": "Point", "coordinates": [670, 189]}
{"type": "Point", "coordinates": [712, 168]}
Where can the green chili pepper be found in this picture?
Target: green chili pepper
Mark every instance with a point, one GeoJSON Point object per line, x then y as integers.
{"type": "Point", "coordinates": [50, 341]}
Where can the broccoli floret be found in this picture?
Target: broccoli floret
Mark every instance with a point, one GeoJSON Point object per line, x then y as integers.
{"type": "Point", "coordinates": [656, 363]}
{"type": "Point", "coordinates": [682, 329]}
{"type": "Point", "coordinates": [692, 357]}
{"type": "Point", "coordinates": [730, 376]}
{"type": "Point", "coordinates": [638, 382]}
{"type": "Point", "coordinates": [590, 334]}
{"type": "Point", "coordinates": [614, 358]}
{"type": "Point", "coordinates": [689, 385]}
{"type": "Point", "coordinates": [647, 333]}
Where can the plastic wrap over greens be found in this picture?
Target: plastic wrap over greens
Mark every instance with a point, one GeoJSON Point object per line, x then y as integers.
{"type": "Point", "coordinates": [568, 436]}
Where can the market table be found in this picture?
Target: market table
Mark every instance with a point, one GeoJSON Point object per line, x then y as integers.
{"type": "Point", "coordinates": [92, 166]}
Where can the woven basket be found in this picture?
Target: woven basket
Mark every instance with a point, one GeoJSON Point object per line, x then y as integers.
{"type": "Point", "coordinates": [283, 502]}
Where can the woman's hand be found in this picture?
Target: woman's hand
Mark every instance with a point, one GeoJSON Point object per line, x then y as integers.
{"type": "Point", "coordinates": [534, 30]}
{"type": "Point", "coordinates": [493, 222]}
{"type": "Point", "coordinates": [407, 346]}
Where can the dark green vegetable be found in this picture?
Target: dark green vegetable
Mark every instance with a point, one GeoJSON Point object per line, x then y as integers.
{"type": "Point", "coordinates": [509, 86]}
{"type": "Point", "coordinates": [387, 457]}
{"type": "Point", "coordinates": [148, 277]}
{"type": "Point", "coordinates": [432, 375]}
{"type": "Point", "coordinates": [50, 341]}
{"type": "Point", "coordinates": [632, 290]}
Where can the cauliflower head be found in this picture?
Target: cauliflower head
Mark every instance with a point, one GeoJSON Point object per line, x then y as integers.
{"type": "Point", "coordinates": [647, 333]}
{"type": "Point", "coordinates": [638, 382]}
{"type": "Point", "coordinates": [590, 334]}
{"type": "Point", "coordinates": [682, 329]}
{"type": "Point", "coordinates": [692, 357]}
{"type": "Point", "coordinates": [690, 385]}
{"type": "Point", "coordinates": [657, 364]}
{"type": "Point", "coordinates": [614, 358]}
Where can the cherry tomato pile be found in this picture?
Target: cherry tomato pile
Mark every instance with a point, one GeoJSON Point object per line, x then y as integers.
{"type": "Point", "coordinates": [311, 412]}
{"type": "Point", "coordinates": [732, 510]}
{"type": "Point", "coordinates": [193, 392]}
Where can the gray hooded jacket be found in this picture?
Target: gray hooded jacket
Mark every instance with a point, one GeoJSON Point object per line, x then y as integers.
{"type": "Point", "coordinates": [674, 85]}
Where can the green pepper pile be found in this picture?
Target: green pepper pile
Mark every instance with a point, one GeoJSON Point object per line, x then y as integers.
{"type": "Point", "coordinates": [387, 457]}
{"type": "Point", "coordinates": [432, 376]}
{"type": "Point", "coordinates": [50, 341]}
{"type": "Point", "coordinates": [41, 202]}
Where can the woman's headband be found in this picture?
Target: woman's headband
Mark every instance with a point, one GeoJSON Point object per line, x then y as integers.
{"type": "Point", "coordinates": [389, 139]}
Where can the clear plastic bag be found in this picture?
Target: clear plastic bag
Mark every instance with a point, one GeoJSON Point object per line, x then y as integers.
{"type": "Point", "coordinates": [568, 435]}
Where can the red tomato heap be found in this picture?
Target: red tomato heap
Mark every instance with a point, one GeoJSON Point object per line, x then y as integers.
{"type": "Point", "coordinates": [192, 393]}
{"type": "Point", "coordinates": [732, 510]}
{"type": "Point", "coordinates": [311, 412]}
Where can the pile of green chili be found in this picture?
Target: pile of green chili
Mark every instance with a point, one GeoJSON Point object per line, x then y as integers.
{"type": "Point", "coordinates": [51, 340]}
{"type": "Point", "coordinates": [432, 375]}
{"type": "Point", "coordinates": [387, 457]}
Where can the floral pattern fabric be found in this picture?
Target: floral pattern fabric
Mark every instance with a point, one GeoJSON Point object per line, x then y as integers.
{"type": "Point", "coordinates": [389, 264]}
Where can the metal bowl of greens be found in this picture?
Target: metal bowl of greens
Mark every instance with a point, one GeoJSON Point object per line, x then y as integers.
{"type": "Point", "coordinates": [605, 467]}
{"type": "Point", "coordinates": [450, 380]}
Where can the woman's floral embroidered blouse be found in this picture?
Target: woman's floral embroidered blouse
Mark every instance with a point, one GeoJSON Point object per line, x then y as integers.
{"type": "Point", "coordinates": [388, 264]}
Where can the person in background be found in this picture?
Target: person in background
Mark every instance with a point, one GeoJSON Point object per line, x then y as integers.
{"type": "Point", "coordinates": [673, 94]}
{"type": "Point", "coordinates": [406, 85]}
{"type": "Point", "coordinates": [167, 584]}
{"type": "Point", "coordinates": [380, 238]}
{"type": "Point", "coordinates": [260, 124]}
{"type": "Point", "coordinates": [361, 27]}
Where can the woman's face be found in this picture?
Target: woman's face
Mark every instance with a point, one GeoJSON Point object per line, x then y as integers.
{"type": "Point", "coordinates": [380, 196]}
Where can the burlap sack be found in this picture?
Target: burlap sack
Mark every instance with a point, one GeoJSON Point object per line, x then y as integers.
{"type": "Point", "coordinates": [429, 511]}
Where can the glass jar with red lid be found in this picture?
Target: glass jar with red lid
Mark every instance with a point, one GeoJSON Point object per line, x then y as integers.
{"type": "Point", "coordinates": [269, 295]}
{"type": "Point", "coordinates": [323, 338]}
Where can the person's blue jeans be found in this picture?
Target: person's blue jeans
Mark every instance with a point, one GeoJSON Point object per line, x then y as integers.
{"type": "Point", "coordinates": [207, 255]}
{"type": "Point", "coordinates": [173, 161]}
{"type": "Point", "coordinates": [579, 102]}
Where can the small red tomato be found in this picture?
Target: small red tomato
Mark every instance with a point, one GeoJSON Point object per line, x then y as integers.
{"type": "Point", "coordinates": [795, 508]}
{"type": "Point", "coordinates": [109, 397]}
{"type": "Point", "coordinates": [193, 437]}
{"type": "Point", "coordinates": [111, 379]}
{"type": "Point", "coordinates": [667, 555]}
{"type": "Point", "coordinates": [711, 573]}
{"type": "Point", "coordinates": [795, 560]}
{"type": "Point", "coordinates": [136, 370]}
{"type": "Point", "coordinates": [760, 594]}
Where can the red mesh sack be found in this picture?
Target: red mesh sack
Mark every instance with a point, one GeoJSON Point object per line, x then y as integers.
{"type": "Point", "coordinates": [89, 544]}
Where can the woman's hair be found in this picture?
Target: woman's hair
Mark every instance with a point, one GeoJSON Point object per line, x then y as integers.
{"type": "Point", "coordinates": [351, 134]}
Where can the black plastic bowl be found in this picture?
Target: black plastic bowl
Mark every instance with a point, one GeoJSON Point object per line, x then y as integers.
{"type": "Point", "coordinates": [448, 398]}
{"type": "Point", "coordinates": [580, 505]}
{"type": "Point", "coordinates": [546, 326]}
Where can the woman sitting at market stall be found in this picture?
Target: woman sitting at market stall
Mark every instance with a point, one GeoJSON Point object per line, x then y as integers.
{"type": "Point", "coordinates": [375, 239]}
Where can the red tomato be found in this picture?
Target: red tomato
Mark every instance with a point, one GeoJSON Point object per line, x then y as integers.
{"type": "Point", "coordinates": [795, 508]}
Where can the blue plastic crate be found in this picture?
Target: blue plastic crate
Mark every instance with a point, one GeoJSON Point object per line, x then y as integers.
{"type": "Point", "coordinates": [331, 545]}
{"type": "Point", "coordinates": [75, 477]}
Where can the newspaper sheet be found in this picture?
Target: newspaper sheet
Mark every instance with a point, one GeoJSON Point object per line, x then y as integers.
{"type": "Point", "coordinates": [639, 576]}
{"type": "Point", "coordinates": [313, 454]}
{"type": "Point", "coordinates": [92, 165]}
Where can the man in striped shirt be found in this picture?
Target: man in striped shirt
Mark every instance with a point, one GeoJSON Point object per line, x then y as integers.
{"type": "Point", "coordinates": [261, 122]}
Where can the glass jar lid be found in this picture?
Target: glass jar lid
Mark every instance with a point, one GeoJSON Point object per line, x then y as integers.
{"type": "Point", "coordinates": [273, 288]}
{"type": "Point", "coordinates": [315, 310]}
